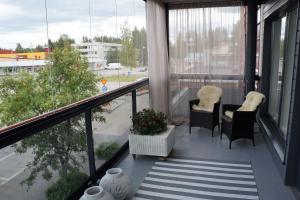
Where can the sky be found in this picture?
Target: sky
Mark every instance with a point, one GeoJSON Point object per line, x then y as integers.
{"type": "Point", "coordinates": [24, 21]}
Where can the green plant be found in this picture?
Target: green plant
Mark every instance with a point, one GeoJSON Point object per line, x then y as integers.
{"type": "Point", "coordinates": [106, 149]}
{"type": "Point", "coordinates": [65, 186]}
{"type": "Point", "coordinates": [148, 122]}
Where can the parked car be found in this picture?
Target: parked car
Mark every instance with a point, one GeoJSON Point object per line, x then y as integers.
{"type": "Point", "coordinates": [113, 66]}
{"type": "Point", "coordinates": [142, 69]}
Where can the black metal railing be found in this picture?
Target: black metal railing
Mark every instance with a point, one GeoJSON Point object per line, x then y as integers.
{"type": "Point", "coordinates": [22, 130]}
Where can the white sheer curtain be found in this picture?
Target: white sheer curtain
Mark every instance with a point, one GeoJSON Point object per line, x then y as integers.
{"type": "Point", "coordinates": [158, 63]}
{"type": "Point", "coordinates": [207, 46]}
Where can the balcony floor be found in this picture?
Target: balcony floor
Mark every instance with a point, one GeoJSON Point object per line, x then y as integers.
{"type": "Point", "coordinates": [200, 144]}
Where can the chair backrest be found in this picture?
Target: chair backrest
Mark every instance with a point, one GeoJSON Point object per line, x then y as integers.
{"type": "Point", "coordinates": [208, 96]}
{"type": "Point", "coordinates": [252, 101]}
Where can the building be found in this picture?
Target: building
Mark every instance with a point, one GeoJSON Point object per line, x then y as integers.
{"type": "Point", "coordinates": [11, 62]}
{"type": "Point", "coordinates": [96, 52]}
{"type": "Point", "coordinates": [27, 55]}
{"type": "Point", "coordinates": [12, 67]}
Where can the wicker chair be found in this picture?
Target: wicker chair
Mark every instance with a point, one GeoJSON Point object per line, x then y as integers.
{"type": "Point", "coordinates": [238, 120]}
{"type": "Point", "coordinates": [202, 115]}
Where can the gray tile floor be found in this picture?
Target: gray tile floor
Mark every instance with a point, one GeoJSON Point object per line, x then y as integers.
{"type": "Point", "coordinates": [200, 144]}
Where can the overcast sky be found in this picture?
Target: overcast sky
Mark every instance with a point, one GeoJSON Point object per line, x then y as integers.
{"type": "Point", "coordinates": [24, 20]}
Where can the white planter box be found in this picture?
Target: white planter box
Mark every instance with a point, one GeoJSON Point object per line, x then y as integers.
{"type": "Point", "coordinates": [156, 145]}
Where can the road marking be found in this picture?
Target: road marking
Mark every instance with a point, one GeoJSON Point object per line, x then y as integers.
{"type": "Point", "coordinates": [13, 176]}
{"type": "Point", "coordinates": [7, 156]}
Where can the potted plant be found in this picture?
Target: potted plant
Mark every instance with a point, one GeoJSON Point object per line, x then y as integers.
{"type": "Point", "coordinates": [150, 134]}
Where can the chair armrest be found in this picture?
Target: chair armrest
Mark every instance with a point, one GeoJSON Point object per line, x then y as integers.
{"type": "Point", "coordinates": [193, 102]}
{"type": "Point", "coordinates": [229, 107]}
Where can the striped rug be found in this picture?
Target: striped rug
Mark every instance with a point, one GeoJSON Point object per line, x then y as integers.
{"type": "Point", "coordinates": [198, 179]}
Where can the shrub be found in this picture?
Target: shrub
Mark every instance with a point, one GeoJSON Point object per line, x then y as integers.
{"type": "Point", "coordinates": [106, 149]}
{"type": "Point", "coordinates": [65, 186]}
{"type": "Point", "coordinates": [148, 122]}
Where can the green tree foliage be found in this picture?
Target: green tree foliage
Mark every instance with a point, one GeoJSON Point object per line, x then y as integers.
{"type": "Point", "coordinates": [64, 80]}
{"type": "Point", "coordinates": [65, 186]}
{"type": "Point", "coordinates": [106, 149]}
{"type": "Point", "coordinates": [112, 56]}
{"type": "Point", "coordinates": [139, 39]}
{"type": "Point", "coordinates": [20, 49]}
{"type": "Point", "coordinates": [39, 48]}
{"type": "Point", "coordinates": [64, 41]}
{"type": "Point", "coordinates": [85, 39]}
{"type": "Point", "coordinates": [128, 54]}
{"type": "Point", "coordinates": [108, 39]}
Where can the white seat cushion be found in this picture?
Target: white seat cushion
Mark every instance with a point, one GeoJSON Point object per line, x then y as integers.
{"type": "Point", "coordinates": [252, 101]}
{"type": "Point", "coordinates": [229, 114]}
{"type": "Point", "coordinates": [208, 96]}
{"type": "Point", "coordinates": [200, 108]}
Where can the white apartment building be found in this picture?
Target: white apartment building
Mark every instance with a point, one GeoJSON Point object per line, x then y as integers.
{"type": "Point", "coordinates": [95, 52]}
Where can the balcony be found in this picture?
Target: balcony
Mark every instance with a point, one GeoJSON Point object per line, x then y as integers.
{"type": "Point", "coordinates": [199, 144]}
{"type": "Point", "coordinates": [88, 137]}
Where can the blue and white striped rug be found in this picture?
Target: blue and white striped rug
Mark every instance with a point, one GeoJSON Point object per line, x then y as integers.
{"type": "Point", "coordinates": [198, 179]}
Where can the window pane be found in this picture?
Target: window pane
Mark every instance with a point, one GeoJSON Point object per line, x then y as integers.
{"type": "Point", "coordinates": [277, 59]}
{"type": "Point", "coordinates": [288, 72]}
{"type": "Point", "coordinates": [57, 52]}
{"type": "Point", "coordinates": [48, 165]}
{"type": "Point", "coordinates": [111, 134]}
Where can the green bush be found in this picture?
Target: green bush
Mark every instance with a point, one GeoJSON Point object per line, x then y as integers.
{"type": "Point", "coordinates": [65, 186]}
{"type": "Point", "coordinates": [148, 122]}
{"type": "Point", "coordinates": [106, 149]}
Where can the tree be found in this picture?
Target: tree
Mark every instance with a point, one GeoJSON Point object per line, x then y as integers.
{"type": "Point", "coordinates": [64, 80]}
{"type": "Point", "coordinates": [108, 39]}
{"type": "Point", "coordinates": [128, 54]}
{"type": "Point", "coordinates": [85, 39]}
{"type": "Point", "coordinates": [19, 48]}
{"type": "Point", "coordinates": [112, 55]}
{"type": "Point", "coordinates": [139, 39]}
{"type": "Point", "coordinates": [39, 48]}
{"type": "Point", "coordinates": [64, 41]}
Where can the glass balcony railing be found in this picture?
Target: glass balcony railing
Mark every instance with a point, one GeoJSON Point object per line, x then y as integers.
{"type": "Point", "coordinates": [59, 154]}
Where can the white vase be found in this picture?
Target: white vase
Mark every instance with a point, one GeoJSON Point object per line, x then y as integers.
{"type": "Point", "coordinates": [96, 193]}
{"type": "Point", "coordinates": [116, 182]}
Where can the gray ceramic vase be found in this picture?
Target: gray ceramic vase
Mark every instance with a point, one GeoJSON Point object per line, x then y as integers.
{"type": "Point", "coordinates": [96, 193]}
{"type": "Point", "coordinates": [116, 182]}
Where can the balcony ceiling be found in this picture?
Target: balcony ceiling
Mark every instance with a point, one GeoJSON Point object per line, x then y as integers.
{"type": "Point", "coordinates": [206, 1]}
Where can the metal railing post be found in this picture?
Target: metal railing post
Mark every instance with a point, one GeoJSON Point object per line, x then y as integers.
{"type": "Point", "coordinates": [90, 143]}
{"type": "Point", "coordinates": [133, 95]}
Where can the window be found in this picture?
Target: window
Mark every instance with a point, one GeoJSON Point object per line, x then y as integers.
{"type": "Point", "coordinates": [258, 42]}
{"type": "Point", "coordinates": [281, 71]}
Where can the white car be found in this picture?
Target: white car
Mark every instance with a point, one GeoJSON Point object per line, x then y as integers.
{"type": "Point", "coordinates": [113, 66]}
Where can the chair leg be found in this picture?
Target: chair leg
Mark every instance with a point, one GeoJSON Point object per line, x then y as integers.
{"type": "Point", "coordinates": [253, 142]}
{"type": "Point", "coordinates": [221, 133]}
{"type": "Point", "coordinates": [212, 132]}
{"type": "Point", "coordinates": [219, 127]}
{"type": "Point", "coordinates": [230, 144]}
{"type": "Point", "coordinates": [190, 129]}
